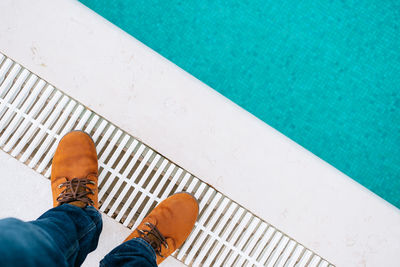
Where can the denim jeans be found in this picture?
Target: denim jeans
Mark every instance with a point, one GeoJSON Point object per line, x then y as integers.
{"type": "Point", "coordinates": [64, 236]}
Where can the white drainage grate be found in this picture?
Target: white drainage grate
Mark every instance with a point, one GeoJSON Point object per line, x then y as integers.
{"type": "Point", "coordinates": [134, 178]}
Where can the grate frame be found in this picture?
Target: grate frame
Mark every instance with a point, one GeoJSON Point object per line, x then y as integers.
{"type": "Point", "coordinates": [134, 178]}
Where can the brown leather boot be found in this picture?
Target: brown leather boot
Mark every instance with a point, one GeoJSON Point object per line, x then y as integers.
{"type": "Point", "coordinates": [168, 225]}
{"type": "Point", "coordinates": [74, 171]}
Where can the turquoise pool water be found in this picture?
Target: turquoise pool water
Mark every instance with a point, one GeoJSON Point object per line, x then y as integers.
{"type": "Point", "coordinates": [324, 73]}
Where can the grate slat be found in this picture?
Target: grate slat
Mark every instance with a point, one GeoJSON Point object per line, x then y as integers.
{"type": "Point", "coordinates": [50, 113]}
{"type": "Point", "coordinates": [31, 124]}
{"type": "Point", "coordinates": [200, 240]}
{"type": "Point", "coordinates": [20, 114]}
{"type": "Point", "coordinates": [314, 261]}
{"type": "Point", "coordinates": [253, 241]}
{"type": "Point", "coordinates": [138, 188]}
{"type": "Point", "coordinates": [221, 224]}
{"type": "Point", "coordinates": [286, 253]}
{"type": "Point", "coordinates": [243, 238]}
{"type": "Point", "coordinates": [133, 178]}
{"type": "Point", "coordinates": [277, 252]}
{"type": "Point", "coordinates": [2, 57]}
{"type": "Point", "coordinates": [263, 243]}
{"type": "Point", "coordinates": [46, 161]}
{"type": "Point", "coordinates": [50, 137]}
{"type": "Point", "coordinates": [6, 65]}
{"type": "Point", "coordinates": [295, 256]}
{"type": "Point", "coordinates": [120, 181]}
{"type": "Point", "coordinates": [305, 259]}
{"type": "Point", "coordinates": [117, 169]}
{"type": "Point", "coordinates": [13, 92]}
{"type": "Point", "coordinates": [17, 102]}
{"type": "Point", "coordinates": [6, 84]}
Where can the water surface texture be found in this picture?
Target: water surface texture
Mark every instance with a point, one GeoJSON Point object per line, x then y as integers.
{"type": "Point", "coordinates": [324, 73]}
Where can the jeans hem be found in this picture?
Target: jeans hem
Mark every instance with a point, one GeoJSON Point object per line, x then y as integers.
{"type": "Point", "coordinates": [147, 245]}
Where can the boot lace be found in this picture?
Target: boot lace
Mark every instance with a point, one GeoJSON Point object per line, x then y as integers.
{"type": "Point", "coordinates": [154, 238]}
{"type": "Point", "coordinates": [76, 189]}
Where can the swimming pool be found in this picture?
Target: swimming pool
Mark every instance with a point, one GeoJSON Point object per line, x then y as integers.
{"type": "Point", "coordinates": [326, 74]}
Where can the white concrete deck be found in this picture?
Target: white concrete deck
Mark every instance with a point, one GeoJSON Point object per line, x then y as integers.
{"type": "Point", "coordinates": [188, 122]}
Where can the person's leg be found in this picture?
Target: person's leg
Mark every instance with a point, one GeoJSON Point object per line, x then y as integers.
{"type": "Point", "coordinates": [63, 236]}
{"type": "Point", "coordinates": [135, 252]}
{"type": "Point", "coordinates": [159, 234]}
